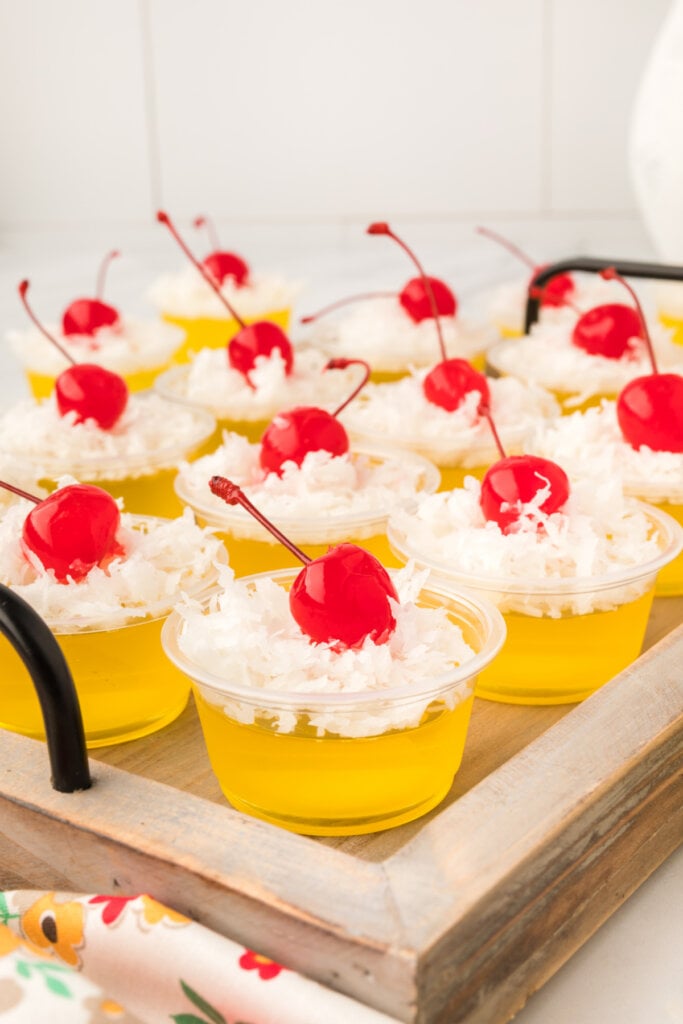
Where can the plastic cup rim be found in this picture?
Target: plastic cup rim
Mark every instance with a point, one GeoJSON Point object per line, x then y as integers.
{"type": "Point", "coordinates": [551, 585]}
{"type": "Point", "coordinates": [486, 614]}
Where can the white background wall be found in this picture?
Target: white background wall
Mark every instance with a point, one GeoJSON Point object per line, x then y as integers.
{"type": "Point", "coordinates": [264, 110]}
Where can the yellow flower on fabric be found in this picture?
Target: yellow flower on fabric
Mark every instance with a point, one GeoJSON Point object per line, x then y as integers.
{"type": "Point", "coordinates": [54, 926]}
{"type": "Point", "coordinates": [154, 912]}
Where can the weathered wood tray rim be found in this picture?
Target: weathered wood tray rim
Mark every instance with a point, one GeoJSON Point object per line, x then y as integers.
{"type": "Point", "coordinates": [441, 930]}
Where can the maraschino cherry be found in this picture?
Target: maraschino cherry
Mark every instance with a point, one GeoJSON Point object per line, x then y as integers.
{"type": "Point", "coordinates": [88, 390]}
{"type": "Point", "coordinates": [72, 530]}
{"type": "Point", "coordinates": [422, 297]}
{"type": "Point", "coordinates": [293, 434]}
{"type": "Point", "coordinates": [252, 340]}
{"type": "Point", "coordinates": [342, 597]}
{"type": "Point", "coordinates": [86, 316]}
{"type": "Point", "coordinates": [607, 330]}
{"type": "Point", "coordinates": [556, 292]}
{"type": "Point", "coordinates": [515, 480]}
{"type": "Point", "coordinates": [650, 408]}
{"type": "Point", "coordinates": [219, 263]}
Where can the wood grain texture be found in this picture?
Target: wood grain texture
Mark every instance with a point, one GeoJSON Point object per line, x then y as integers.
{"type": "Point", "coordinates": [556, 816]}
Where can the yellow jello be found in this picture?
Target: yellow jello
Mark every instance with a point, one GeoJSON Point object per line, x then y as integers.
{"type": "Point", "coordinates": [675, 325]}
{"type": "Point", "coordinates": [216, 332]}
{"type": "Point", "coordinates": [42, 385]}
{"type": "Point", "coordinates": [344, 762]}
{"type": "Point", "coordinates": [125, 688]}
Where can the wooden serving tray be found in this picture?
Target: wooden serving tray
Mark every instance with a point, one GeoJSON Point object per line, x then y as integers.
{"type": "Point", "coordinates": [556, 816]}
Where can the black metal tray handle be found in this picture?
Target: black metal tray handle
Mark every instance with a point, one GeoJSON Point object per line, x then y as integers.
{"type": "Point", "coordinates": [629, 268]}
{"type": "Point", "coordinates": [36, 646]}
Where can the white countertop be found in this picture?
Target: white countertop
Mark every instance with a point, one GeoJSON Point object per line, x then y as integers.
{"type": "Point", "coordinates": [631, 971]}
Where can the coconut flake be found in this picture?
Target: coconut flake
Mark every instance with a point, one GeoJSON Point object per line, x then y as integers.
{"type": "Point", "coordinates": [382, 332]}
{"type": "Point", "coordinates": [590, 443]}
{"type": "Point", "coordinates": [151, 434]}
{"type": "Point", "coordinates": [128, 346]}
{"type": "Point", "coordinates": [186, 294]}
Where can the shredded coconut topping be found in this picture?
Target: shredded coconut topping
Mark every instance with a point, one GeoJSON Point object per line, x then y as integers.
{"type": "Point", "coordinates": [164, 559]}
{"type": "Point", "coordinates": [507, 304]}
{"type": "Point", "coordinates": [129, 346]}
{"type": "Point", "coordinates": [400, 413]}
{"type": "Point", "coordinates": [249, 637]}
{"type": "Point", "coordinates": [361, 484]}
{"type": "Point", "coordinates": [591, 443]}
{"type": "Point", "coordinates": [151, 434]}
{"type": "Point", "coordinates": [210, 382]}
{"type": "Point", "coordinates": [186, 294]}
{"type": "Point", "coordinates": [381, 331]}
{"type": "Point", "coordinates": [548, 357]}
{"type": "Point", "coordinates": [597, 533]}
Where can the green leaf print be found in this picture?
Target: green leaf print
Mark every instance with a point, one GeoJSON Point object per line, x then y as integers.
{"type": "Point", "coordinates": [57, 987]}
{"type": "Point", "coordinates": [5, 915]}
{"type": "Point", "coordinates": [187, 1018]}
{"type": "Point", "coordinates": [47, 972]}
{"type": "Point", "coordinates": [213, 1015]}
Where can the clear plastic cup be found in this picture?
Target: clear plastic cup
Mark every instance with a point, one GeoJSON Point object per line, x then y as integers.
{"type": "Point", "coordinates": [455, 455]}
{"type": "Point", "coordinates": [252, 549]}
{"type": "Point", "coordinates": [125, 686]}
{"type": "Point", "coordinates": [138, 350]}
{"type": "Point", "coordinates": [215, 332]}
{"type": "Point", "coordinates": [565, 637]}
{"type": "Point", "coordinates": [384, 758]}
{"type": "Point", "coordinates": [501, 361]}
{"type": "Point", "coordinates": [143, 480]}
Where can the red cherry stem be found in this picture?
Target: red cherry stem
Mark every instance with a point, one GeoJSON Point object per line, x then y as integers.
{"type": "Point", "coordinates": [485, 411]}
{"type": "Point", "coordinates": [612, 274]}
{"type": "Point", "coordinates": [18, 491]}
{"type": "Point", "coordinates": [23, 288]}
{"type": "Point", "coordinates": [206, 222]}
{"type": "Point", "coordinates": [507, 244]}
{"type": "Point", "coordinates": [102, 273]}
{"type": "Point", "coordinates": [535, 292]}
{"type": "Point", "coordinates": [381, 228]}
{"type": "Point", "coordinates": [164, 218]}
{"type": "Point", "coordinates": [234, 495]}
{"type": "Point", "coordinates": [344, 302]}
{"type": "Point", "coordinates": [341, 364]}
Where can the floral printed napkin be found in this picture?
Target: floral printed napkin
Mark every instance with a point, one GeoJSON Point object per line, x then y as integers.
{"type": "Point", "coordinates": [73, 959]}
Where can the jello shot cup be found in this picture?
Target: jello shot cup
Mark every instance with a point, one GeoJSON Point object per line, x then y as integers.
{"type": "Point", "coordinates": [138, 350]}
{"type": "Point", "coordinates": [591, 443]}
{"type": "Point", "coordinates": [381, 332]}
{"type": "Point", "coordinates": [186, 301]}
{"type": "Point", "coordinates": [326, 501]}
{"type": "Point", "coordinates": [578, 379]}
{"type": "Point", "coordinates": [247, 406]}
{"type": "Point", "coordinates": [567, 635]}
{"type": "Point", "coordinates": [136, 460]}
{"type": "Point", "coordinates": [353, 761]}
{"type": "Point", "coordinates": [109, 632]}
{"type": "Point", "coordinates": [459, 443]}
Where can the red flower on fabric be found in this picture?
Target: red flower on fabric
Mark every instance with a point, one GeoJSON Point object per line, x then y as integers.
{"type": "Point", "coordinates": [113, 906]}
{"type": "Point", "coordinates": [251, 961]}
